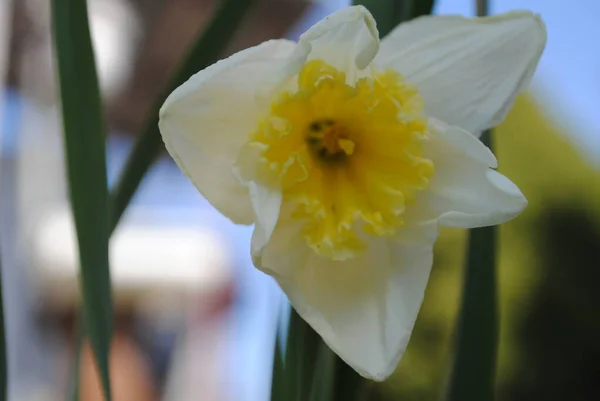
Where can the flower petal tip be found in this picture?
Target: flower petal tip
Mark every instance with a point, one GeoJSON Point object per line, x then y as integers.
{"type": "Point", "coordinates": [538, 25]}
{"type": "Point", "coordinates": [509, 188]}
{"type": "Point", "coordinates": [333, 23]}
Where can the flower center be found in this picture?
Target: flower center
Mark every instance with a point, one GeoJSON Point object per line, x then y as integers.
{"type": "Point", "coordinates": [329, 141]}
{"type": "Point", "coordinates": [347, 157]}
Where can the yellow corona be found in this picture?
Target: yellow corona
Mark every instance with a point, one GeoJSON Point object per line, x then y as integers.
{"type": "Point", "coordinates": [349, 157]}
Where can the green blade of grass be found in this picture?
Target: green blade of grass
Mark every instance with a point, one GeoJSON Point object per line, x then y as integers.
{"type": "Point", "coordinates": [86, 167]}
{"type": "Point", "coordinates": [204, 52]}
{"type": "Point", "coordinates": [473, 370]}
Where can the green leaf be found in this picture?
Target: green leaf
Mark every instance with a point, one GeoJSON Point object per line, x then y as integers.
{"type": "Point", "coordinates": [86, 166]}
{"type": "Point", "coordinates": [473, 371]}
{"type": "Point", "coordinates": [3, 370]}
{"type": "Point", "coordinates": [323, 385]}
{"type": "Point", "coordinates": [300, 359]}
{"type": "Point", "coordinates": [205, 51]}
{"type": "Point", "coordinates": [277, 388]}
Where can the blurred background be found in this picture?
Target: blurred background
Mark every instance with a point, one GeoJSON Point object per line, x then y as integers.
{"type": "Point", "coordinates": [195, 320]}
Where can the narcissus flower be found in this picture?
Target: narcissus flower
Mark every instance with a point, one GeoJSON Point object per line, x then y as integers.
{"type": "Point", "coordinates": [348, 154]}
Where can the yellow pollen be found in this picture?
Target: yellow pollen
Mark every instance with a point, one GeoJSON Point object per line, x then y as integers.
{"type": "Point", "coordinates": [332, 140]}
{"type": "Point", "coordinates": [347, 146]}
{"type": "Point", "coordinates": [348, 156]}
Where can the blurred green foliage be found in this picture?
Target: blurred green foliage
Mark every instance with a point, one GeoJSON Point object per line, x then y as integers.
{"type": "Point", "coordinates": [558, 182]}
{"type": "Point", "coordinates": [558, 337]}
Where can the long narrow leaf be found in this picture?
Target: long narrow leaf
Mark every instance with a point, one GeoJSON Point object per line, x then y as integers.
{"type": "Point", "coordinates": [473, 371]}
{"type": "Point", "coordinates": [277, 389]}
{"type": "Point", "coordinates": [204, 52]}
{"type": "Point", "coordinates": [300, 359]}
{"type": "Point", "coordinates": [86, 165]}
{"type": "Point", "coordinates": [324, 376]}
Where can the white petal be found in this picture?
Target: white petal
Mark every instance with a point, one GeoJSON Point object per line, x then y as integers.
{"type": "Point", "coordinates": [266, 203]}
{"type": "Point", "coordinates": [206, 120]}
{"type": "Point", "coordinates": [464, 191]}
{"type": "Point", "coordinates": [284, 250]}
{"type": "Point", "coordinates": [468, 70]}
{"type": "Point", "coordinates": [347, 39]}
{"type": "Point", "coordinates": [364, 308]}
{"type": "Point", "coordinates": [418, 229]}
{"type": "Point", "coordinates": [459, 139]}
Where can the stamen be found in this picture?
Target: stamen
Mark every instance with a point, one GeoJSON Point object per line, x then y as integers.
{"type": "Point", "coordinates": [329, 140]}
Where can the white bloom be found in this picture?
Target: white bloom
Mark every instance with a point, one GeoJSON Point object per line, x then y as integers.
{"type": "Point", "coordinates": [348, 154]}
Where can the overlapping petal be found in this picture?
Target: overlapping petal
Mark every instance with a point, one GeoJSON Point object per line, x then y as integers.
{"type": "Point", "coordinates": [347, 40]}
{"type": "Point", "coordinates": [465, 191]}
{"type": "Point", "coordinates": [467, 70]}
{"type": "Point", "coordinates": [205, 122]}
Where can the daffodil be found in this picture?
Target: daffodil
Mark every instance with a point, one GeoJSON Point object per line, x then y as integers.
{"type": "Point", "coordinates": [348, 154]}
